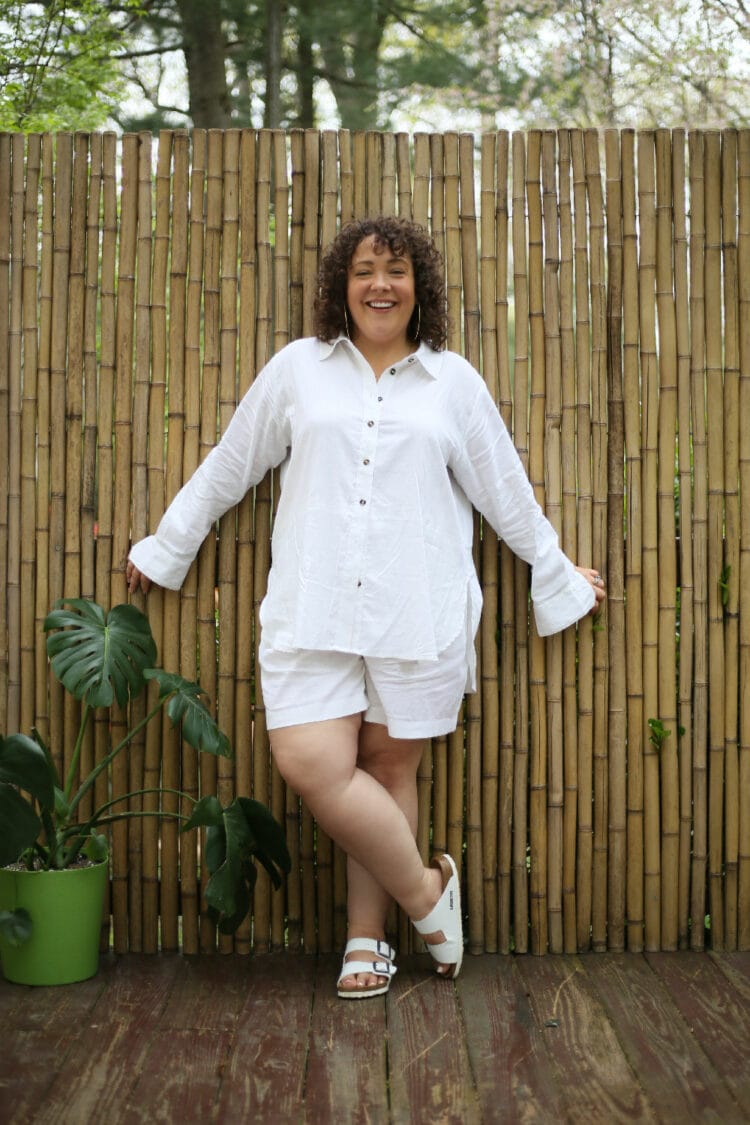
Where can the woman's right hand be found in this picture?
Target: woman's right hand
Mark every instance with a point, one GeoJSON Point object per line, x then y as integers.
{"type": "Point", "coordinates": [136, 578]}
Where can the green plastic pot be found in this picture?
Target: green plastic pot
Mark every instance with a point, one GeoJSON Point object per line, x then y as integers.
{"type": "Point", "coordinates": [66, 914]}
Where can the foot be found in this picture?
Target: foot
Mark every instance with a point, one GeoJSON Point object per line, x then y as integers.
{"type": "Point", "coordinates": [441, 929]}
{"type": "Point", "coordinates": [370, 967]}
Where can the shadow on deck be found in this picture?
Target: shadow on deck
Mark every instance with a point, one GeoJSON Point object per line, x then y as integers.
{"type": "Point", "coordinates": [598, 1038]}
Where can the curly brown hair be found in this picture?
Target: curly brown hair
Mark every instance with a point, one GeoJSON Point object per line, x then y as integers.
{"type": "Point", "coordinates": [429, 321]}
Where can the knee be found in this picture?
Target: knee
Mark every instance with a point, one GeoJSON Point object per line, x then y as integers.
{"type": "Point", "coordinates": [392, 762]}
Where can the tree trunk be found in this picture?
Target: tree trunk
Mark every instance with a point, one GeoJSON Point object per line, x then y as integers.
{"type": "Point", "coordinates": [274, 21]}
{"type": "Point", "coordinates": [351, 62]}
{"type": "Point", "coordinates": [203, 47]}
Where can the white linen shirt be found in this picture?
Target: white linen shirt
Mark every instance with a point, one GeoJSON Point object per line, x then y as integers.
{"type": "Point", "coordinates": [372, 541]}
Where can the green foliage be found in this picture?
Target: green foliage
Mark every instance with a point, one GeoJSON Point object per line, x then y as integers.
{"type": "Point", "coordinates": [105, 659]}
{"type": "Point", "coordinates": [57, 65]}
{"type": "Point", "coordinates": [659, 733]}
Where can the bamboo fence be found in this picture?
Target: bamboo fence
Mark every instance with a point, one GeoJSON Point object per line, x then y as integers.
{"type": "Point", "coordinates": [598, 785]}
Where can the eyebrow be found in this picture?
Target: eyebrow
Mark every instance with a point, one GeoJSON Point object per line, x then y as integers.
{"type": "Point", "coordinates": [370, 261]}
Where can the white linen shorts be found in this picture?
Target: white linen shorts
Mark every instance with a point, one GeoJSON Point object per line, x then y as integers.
{"type": "Point", "coordinates": [412, 698]}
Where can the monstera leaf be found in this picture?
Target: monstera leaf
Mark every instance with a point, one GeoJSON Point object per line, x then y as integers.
{"type": "Point", "coordinates": [185, 706]}
{"type": "Point", "coordinates": [237, 835]}
{"type": "Point", "coordinates": [99, 657]}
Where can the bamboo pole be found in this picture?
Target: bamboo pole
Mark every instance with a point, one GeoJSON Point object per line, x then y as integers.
{"type": "Point", "coordinates": [553, 499]}
{"type": "Point", "coordinates": [716, 484]}
{"type": "Point", "coordinates": [225, 597]}
{"type": "Point", "coordinates": [599, 529]}
{"type": "Point", "coordinates": [105, 439]}
{"type": "Point", "coordinates": [421, 191]}
{"type": "Point", "coordinates": [246, 680]}
{"type": "Point", "coordinates": [521, 581]}
{"type": "Point", "coordinates": [649, 481]}
{"type": "Point", "coordinates": [14, 382]}
{"type": "Point", "coordinates": [29, 404]}
{"type": "Point", "coordinates": [63, 177]}
{"type": "Point", "coordinates": [506, 620]}
{"type": "Point", "coordinates": [699, 444]}
{"type": "Point", "coordinates": [617, 709]}
{"type": "Point", "coordinates": [538, 778]}
{"type": "Point", "coordinates": [667, 569]}
{"type": "Point", "coordinates": [584, 850]}
{"type": "Point", "coordinates": [165, 207]}
{"type": "Point", "coordinates": [5, 283]}
{"type": "Point", "coordinates": [282, 337]}
{"type": "Point", "coordinates": [633, 550]}
{"type": "Point", "coordinates": [140, 423]}
{"type": "Point", "coordinates": [731, 566]}
{"type": "Point", "coordinates": [743, 277]}
{"type": "Point", "coordinates": [90, 359]}
{"type": "Point", "coordinates": [403, 175]}
{"type": "Point", "coordinates": [473, 707]}
{"type": "Point", "coordinates": [302, 201]}
{"type": "Point", "coordinates": [490, 554]}
{"type": "Point", "coordinates": [122, 428]}
{"type": "Point", "coordinates": [263, 493]}
{"type": "Point", "coordinates": [686, 580]}
{"type": "Point", "coordinates": [568, 538]}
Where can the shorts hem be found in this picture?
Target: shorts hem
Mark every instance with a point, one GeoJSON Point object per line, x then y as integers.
{"type": "Point", "coordinates": [313, 713]}
{"type": "Point", "coordinates": [421, 728]}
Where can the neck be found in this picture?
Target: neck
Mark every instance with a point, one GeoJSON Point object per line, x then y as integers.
{"type": "Point", "coordinates": [380, 356]}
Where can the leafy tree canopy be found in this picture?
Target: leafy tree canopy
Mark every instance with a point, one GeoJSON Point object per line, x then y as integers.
{"type": "Point", "coordinates": [57, 68]}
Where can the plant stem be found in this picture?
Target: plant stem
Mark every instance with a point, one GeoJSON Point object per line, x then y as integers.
{"type": "Point", "coordinates": [103, 765]}
{"type": "Point", "coordinates": [77, 751]}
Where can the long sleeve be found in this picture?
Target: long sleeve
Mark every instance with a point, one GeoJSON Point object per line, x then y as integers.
{"type": "Point", "coordinates": [490, 472]}
{"type": "Point", "coordinates": [256, 440]}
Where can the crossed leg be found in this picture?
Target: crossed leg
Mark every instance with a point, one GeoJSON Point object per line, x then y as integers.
{"type": "Point", "coordinates": [394, 763]}
{"type": "Point", "coordinates": [336, 766]}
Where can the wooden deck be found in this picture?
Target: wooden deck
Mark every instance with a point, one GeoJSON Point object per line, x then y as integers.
{"type": "Point", "coordinates": [598, 1038]}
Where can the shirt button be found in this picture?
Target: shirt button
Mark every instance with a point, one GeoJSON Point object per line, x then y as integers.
{"type": "Point", "coordinates": [359, 583]}
{"type": "Point", "coordinates": [410, 359]}
{"type": "Point", "coordinates": [393, 371]}
{"type": "Point", "coordinates": [380, 398]}
{"type": "Point", "coordinates": [366, 461]}
{"type": "Point", "coordinates": [363, 502]}
{"type": "Point", "coordinates": [370, 423]}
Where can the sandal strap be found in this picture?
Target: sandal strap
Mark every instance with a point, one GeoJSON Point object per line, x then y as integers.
{"type": "Point", "coordinates": [448, 902]}
{"type": "Point", "coordinates": [379, 968]}
{"type": "Point", "coordinates": [377, 946]}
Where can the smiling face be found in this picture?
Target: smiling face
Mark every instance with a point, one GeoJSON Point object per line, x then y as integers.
{"type": "Point", "coordinates": [380, 295]}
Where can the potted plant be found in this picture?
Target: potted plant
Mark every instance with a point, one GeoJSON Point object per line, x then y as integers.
{"type": "Point", "coordinates": [48, 847]}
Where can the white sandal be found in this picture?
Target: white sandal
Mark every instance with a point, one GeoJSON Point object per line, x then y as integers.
{"type": "Point", "coordinates": [445, 917]}
{"type": "Point", "coordinates": [382, 967]}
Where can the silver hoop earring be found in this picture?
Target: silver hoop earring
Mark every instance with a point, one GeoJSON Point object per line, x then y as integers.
{"type": "Point", "coordinates": [419, 323]}
{"type": "Point", "coordinates": [346, 322]}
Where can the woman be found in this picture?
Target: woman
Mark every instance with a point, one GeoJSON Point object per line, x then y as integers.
{"type": "Point", "coordinates": [385, 441]}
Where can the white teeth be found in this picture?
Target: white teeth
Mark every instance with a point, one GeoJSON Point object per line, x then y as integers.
{"type": "Point", "coordinates": [380, 304]}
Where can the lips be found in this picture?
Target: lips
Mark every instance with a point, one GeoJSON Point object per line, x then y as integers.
{"type": "Point", "coordinates": [380, 304]}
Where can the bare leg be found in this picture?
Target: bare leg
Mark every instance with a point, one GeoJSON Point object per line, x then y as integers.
{"type": "Point", "coordinates": [319, 761]}
{"type": "Point", "coordinates": [394, 763]}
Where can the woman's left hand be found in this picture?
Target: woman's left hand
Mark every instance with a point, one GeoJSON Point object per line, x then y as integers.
{"type": "Point", "coordinates": [596, 580]}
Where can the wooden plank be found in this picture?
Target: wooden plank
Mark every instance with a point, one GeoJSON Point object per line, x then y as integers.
{"type": "Point", "coordinates": [506, 1048]}
{"type": "Point", "coordinates": [264, 1077]}
{"type": "Point", "coordinates": [593, 1075]}
{"type": "Point", "coordinates": [110, 1043]}
{"type": "Point", "coordinates": [716, 1007]}
{"type": "Point", "coordinates": [180, 1077]}
{"type": "Point", "coordinates": [346, 1066]}
{"type": "Point", "coordinates": [209, 992]}
{"type": "Point", "coordinates": [428, 1065]}
{"type": "Point", "coordinates": [39, 1031]}
{"type": "Point", "coordinates": [670, 1063]}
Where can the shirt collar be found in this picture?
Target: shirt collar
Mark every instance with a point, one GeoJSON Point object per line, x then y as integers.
{"type": "Point", "coordinates": [429, 360]}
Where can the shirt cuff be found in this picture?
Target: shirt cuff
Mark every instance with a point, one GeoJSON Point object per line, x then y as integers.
{"type": "Point", "coordinates": [567, 605]}
{"type": "Point", "coordinates": [157, 563]}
